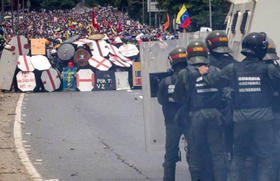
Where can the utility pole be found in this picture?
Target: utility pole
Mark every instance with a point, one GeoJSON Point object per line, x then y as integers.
{"type": "Point", "coordinates": [18, 17]}
{"type": "Point", "coordinates": [143, 7]}
{"type": "Point", "coordinates": [2, 9]}
{"type": "Point", "coordinates": [22, 6]}
{"type": "Point", "coordinates": [12, 7]}
{"type": "Point", "coordinates": [28, 4]}
{"type": "Point", "coordinates": [210, 13]}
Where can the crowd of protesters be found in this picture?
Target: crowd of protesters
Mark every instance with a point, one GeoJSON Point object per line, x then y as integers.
{"type": "Point", "coordinates": [59, 25]}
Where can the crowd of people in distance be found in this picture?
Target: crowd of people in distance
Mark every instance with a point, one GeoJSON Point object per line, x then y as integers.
{"type": "Point", "coordinates": [59, 25]}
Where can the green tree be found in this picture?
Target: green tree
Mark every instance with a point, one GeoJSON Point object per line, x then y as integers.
{"type": "Point", "coordinates": [198, 11]}
{"type": "Point", "coordinates": [121, 4]}
{"type": "Point", "coordinates": [61, 4]}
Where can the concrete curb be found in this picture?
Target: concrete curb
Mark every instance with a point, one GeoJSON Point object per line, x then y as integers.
{"type": "Point", "coordinates": [19, 145]}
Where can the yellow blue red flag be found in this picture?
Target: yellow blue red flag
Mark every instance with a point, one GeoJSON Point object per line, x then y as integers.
{"type": "Point", "coordinates": [183, 18]}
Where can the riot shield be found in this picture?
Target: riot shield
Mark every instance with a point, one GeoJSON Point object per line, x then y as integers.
{"type": "Point", "coordinates": [154, 66]}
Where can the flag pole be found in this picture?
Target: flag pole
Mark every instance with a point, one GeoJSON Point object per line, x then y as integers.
{"type": "Point", "coordinates": [12, 7]}
{"type": "Point", "coordinates": [210, 13]}
{"type": "Point", "coordinates": [143, 6]}
{"type": "Point", "coordinates": [18, 17]}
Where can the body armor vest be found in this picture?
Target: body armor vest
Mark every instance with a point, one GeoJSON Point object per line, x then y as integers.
{"type": "Point", "coordinates": [202, 95]}
{"type": "Point", "coordinates": [221, 61]}
{"type": "Point", "coordinates": [252, 87]}
{"type": "Point", "coordinates": [171, 107]}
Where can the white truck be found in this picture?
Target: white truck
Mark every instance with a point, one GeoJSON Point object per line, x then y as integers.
{"type": "Point", "coordinates": [247, 16]}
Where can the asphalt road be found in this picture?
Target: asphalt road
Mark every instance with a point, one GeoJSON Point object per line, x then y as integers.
{"type": "Point", "coordinates": [93, 136]}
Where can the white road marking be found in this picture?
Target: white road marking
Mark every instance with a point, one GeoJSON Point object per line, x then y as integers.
{"type": "Point", "coordinates": [19, 145]}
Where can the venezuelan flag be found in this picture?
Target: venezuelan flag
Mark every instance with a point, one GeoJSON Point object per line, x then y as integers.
{"type": "Point", "coordinates": [183, 18]}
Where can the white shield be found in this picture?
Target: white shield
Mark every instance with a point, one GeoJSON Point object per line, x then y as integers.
{"type": "Point", "coordinates": [99, 48]}
{"type": "Point", "coordinates": [85, 80]}
{"type": "Point", "coordinates": [122, 81]}
{"type": "Point", "coordinates": [40, 62]}
{"type": "Point", "coordinates": [100, 63]}
{"type": "Point", "coordinates": [81, 42]}
{"type": "Point", "coordinates": [18, 46]}
{"type": "Point", "coordinates": [118, 61]}
{"type": "Point", "coordinates": [115, 51]}
{"type": "Point", "coordinates": [117, 40]}
{"type": "Point", "coordinates": [129, 50]}
{"type": "Point", "coordinates": [24, 63]}
{"type": "Point", "coordinates": [51, 79]}
{"type": "Point", "coordinates": [26, 81]}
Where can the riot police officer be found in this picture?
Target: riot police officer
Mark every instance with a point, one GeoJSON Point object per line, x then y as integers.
{"type": "Point", "coordinates": [251, 161]}
{"type": "Point", "coordinates": [178, 61]}
{"type": "Point", "coordinates": [271, 57]}
{"type": "Point", "coordinates": [206, 132]}
{"type": "Point", "coordinates": [252, 114]}
{"type": "Point", "coordinates": [220, 56]}
{"type": "Point", "coordinates": [217, 43]}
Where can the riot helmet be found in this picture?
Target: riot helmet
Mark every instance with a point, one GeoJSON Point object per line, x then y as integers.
{"type": "Point", "coordinates": [197, 53]}
{"type": "Point", "coordinates": [177, 56]}
{"type": "Point", "coordinates": [271, 53]}
{"type": "Point", "coordinates": [217, 42]}
{"type": "Point", "coordinates": [255, 44]}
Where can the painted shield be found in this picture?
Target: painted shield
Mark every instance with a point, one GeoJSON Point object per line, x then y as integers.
{"type": "Point", "coordinates": [81, 57]}
{"type": "Point", "coordinates": [66, 52]}
{"type": "Point", "coordinates": [24, 63]}
{"type": "Point", "coordinates": [129, 50]}
{"type": "Point", "coordinates": [71, 39]}
{"type": "Point", "coordinates": [51, 79]}
{"type": "Point", "coordinates": [115, 51]}
{"type": "Point", "coordinates": [96, 37]}
{"type": "Point", "coordinates": [105, 80]}
{"type": "Point", "coordinates": [100, 63]}
{"type": "Point", "coordinates": [99, 48]}
{"type": "Point", "coordinates": [26, 81]}
{"type": "Point", "coordinates": [85, 80]}
{"type": "Point", "coordinates": [118, 61]}
{"type": "Point", "coordinates": [20, 45]}
{"type": "Point", "coordinates": [69, 79]}
{"type": "Point", "coordinates": [81, 42]}
{"type": "Point", "coordinates": [8, 63]}
{"type": "Point", "coordinates": [40, 62]}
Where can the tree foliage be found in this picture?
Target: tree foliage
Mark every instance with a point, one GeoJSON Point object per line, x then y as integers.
{"type": "Point", "coordinates": [198, 11]}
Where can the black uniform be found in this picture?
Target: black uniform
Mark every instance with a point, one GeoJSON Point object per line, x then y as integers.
{"type": "Point", "coordinates": [206, 132]}
{"type": "Point", "coordinates": [173, 131]}
{"type": "Point", "coordinates": [252, 113]}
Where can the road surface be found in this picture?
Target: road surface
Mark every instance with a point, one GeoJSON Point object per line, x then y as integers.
{"type": "Point", "coordinates": [93, 136]}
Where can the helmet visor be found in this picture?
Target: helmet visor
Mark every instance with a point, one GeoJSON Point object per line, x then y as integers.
{"type": "Point", "coordinates": [271, 56]}
{"type": "Point", "coordinates": [222, 50]}
{"type": "Point", "coordinates": [198, 60]}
